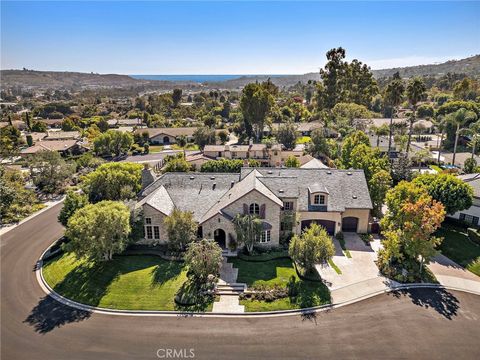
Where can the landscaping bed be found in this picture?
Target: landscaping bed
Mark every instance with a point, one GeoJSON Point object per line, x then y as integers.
{"type": "Point", "coordinates": [126, 282]}
{"type": "Point", "coordinates": [457, 246]}
{"type": "Point", "coordinates": [275, 285]}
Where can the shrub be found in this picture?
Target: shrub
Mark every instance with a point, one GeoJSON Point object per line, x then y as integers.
{"type": "Point", "coordinates": [474, 235]}
{"type": "Point", "coordinates": [339, 236]}
{"type": "Point", "coordinates": [366, 238]}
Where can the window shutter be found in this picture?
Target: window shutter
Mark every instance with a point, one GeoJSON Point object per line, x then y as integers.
{"type": "Point", "coordinates": [262, 211]}
{"type": "Point", "coordinates": [245, 209]}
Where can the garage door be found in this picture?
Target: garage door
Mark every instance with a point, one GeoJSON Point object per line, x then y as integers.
{"type": "Point", "coordinates": [349, 224]}
{"type": "Point", "coordinates": [327, 224]}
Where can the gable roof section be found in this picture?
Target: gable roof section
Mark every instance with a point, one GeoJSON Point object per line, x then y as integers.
{"type": "Point", "coordinates": [314, 163]}
{"type": "Point", "coordinates": [248, 184]}
{"type": "Point", "coordinates": [160, 200]}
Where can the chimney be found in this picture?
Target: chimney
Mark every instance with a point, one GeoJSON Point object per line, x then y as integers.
{"type": "Point", "coordinates": [147, 176]}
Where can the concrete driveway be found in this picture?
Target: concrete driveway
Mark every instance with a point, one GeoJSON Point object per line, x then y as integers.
{"type": "Point", "coordinates": [360, 275]}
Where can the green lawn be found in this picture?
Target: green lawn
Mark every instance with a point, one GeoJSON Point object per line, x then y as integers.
{"type": "Point", "coordinates": [457, 246]}
{"type": "Point", "coordinates": [303, 139]}
{"type": "Point", "coordinates": [126, 282]}
{"type": "Point", "coordinates": [155, 148]}
{"type": "Point", "coordinates": [278, 272]}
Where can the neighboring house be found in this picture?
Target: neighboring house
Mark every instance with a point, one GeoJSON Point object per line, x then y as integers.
{"type": "Point", "coordinates": [460, 158]}
{"type": "Point", "coordinates": [165, 136]}
{"type": "Point", "coordinates": [63, 135]}
{"type": "Point", "coordinates": [303, 129]}
{"type": "Point", "coordinates": [19, 124]}
{"type": "Point", "coordinates": [336, 199]}
{"type": "Point", "coordinates": [378, 122]}
{"type": "Point", "coordinates": [124, 122]}
{"type": "Point", "coordinates": [197, 160]}
{"type": "Point", "coordinates": [51, 123]}
{"type": "Point", "coordinates": [472, 214]}
{"type": "Point", "coordinates": [274, 156]}
{"type": "Point", "coordinates": [64, 147]}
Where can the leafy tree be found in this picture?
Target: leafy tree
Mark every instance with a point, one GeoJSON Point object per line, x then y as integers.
{"type": "Point", "coordinates": [181, 229]}
{"type": "Point", "coordinates": [466, 89]}
{"type": "Point", "coordinates": [112, 142]}
{"type": "Point", "coordinates": [346, 114]}
{"type": "Point", "coordinates": [177, 97]}
{"type": "Point", "coordinates": [379, 184]}
{"type": "Point", "coordinates": [459, 119]}
{"type": "Point", "coordinates": [204, 136]}
{"type": "Point", "coordinates": [380, 131]}
{"type": "Point", "coordinates": [73, 201]}
{"type": "Point", "coordinates": [292, 162]}
{"type": "Point", "coordinates": [98, 231]}
{"type": "Point", "coordinates": [10, 141]}
{"type": "Point", "coordinates": [470, 166]}
{"type": "Point", "coordinates": [227, 165]}
{"type": "Point", "coordinates": [412, 217]}
{"type": "Point", "coordinates": [69, 125]}
{"type": "Point", "coordinates": [223, 136]}
{"type": "Point", "coordinates": [39, 126]}
{"type": "Point", "coordinates": [16, 201]}
{"type": "Point", "coordinates": [416, 92]}
{"type": "Point", "coordinates": [49, 171]}
{"type": "Point", "coordinates": [401, 169]}
{"type": "Point", "coordinates": [351, 141]}
{"type": "Point", "coordinates": [248, 229]}
{"type": "Point", "coordinates": [29, 140]}
{"type": "Point", "coordinates": [28, 123]}
{"type": "Point", "coordinates": [287, 135]}
{"type": "Point", "coordinates": [204, 258]}
{"type": "Point", "coordinates": [452, 192]}
{"type": "Point", "coordinates": [369, 160]}
{"type": "Point", "coordinates": [177, 165]}
{"type": "Point", "coordinates": [313, 246]}
{"type": "Point", "coordinates": [318, 144]}
{"type": "Point", "coordinates": [255, 104]}
{"type": "Point", "coordinates": [103, 125]}
{"type": "Point", "coordinates": [474, 131]}
{"type": "Point", "coordinates": [113, 181]}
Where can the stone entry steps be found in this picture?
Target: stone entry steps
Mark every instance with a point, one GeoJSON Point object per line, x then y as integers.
{"type": "Point", "coordinates": [228, 274]}
{"type": "Point", "coordinates": [231, 289]}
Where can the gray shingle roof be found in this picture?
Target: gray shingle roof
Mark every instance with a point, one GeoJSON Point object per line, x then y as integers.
{"type": "Point", "coordinates": [207, 194]}
{"type": "Point", "coordinates": [347, 188]}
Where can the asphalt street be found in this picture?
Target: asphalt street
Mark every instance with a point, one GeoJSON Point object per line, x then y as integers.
{"type": "Point", "coordinates": [420, 324]}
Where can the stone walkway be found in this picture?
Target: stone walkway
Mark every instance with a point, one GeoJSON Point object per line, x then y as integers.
{"type": "Point", "coordinates": [229, 289]}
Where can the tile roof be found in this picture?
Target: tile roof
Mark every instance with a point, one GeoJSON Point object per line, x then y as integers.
{"type": "Point", "coordinates": [152, 132]}
{"type": "Point", "coordinates": [160, 200]}
{"type": "Point", "coordinates": [314, 163]}
{"type": "Point", "coordinates": [57, 135]}
{"type": "Point", "coordinates": [51, 145]}
{"type": "Point", "coordinates": [474, 181]}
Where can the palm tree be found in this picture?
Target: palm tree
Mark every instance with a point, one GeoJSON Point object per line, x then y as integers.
{"type": "Point", "coordinates": [440, 123]}
{"type": "Point", "coordinates": [459, 119]}
{"type": "Point", "coordinates": [475, 131]}
{"type": "Point", "coordinates": [393, 97]}
{"type": "Point", "coordinates": [416, 90]}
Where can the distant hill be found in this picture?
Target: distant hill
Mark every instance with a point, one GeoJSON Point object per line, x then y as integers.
{"type": "Point", "coordinates": [469, 66]}
{"type": "Point", "coordinates": [76, 80]}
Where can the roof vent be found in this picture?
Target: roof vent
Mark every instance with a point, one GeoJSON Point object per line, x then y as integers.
{"type": "Point", "coordinates": [212, 177]}
{"type": "Point", "coordinates": [354, 196]}
{"type": "Point", "coordinates": [269, 172]}
{"type": "Point", "coordinates": [349, 173]}
{"type": "Point", "coordinates": [329, 172]}
{"type": "Point", "coordinates": [214, 185]}
{"type": "Point", "coordinates": [192, 177]}
{"type": "Point", "coordinates": [280, 191]}
{"type": "Point", "coordinates": [231, 184]}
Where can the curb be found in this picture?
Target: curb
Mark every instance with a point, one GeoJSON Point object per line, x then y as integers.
{"type": "Point", "coordinates": [63, 300]}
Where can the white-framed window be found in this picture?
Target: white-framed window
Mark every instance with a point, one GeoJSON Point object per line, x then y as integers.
{"type": "Point", "coordinates": [319, 199]}
{"type": "Point", "coordinates": [288, 205]}
{"type": "Point", "coordinates": [148, 220]}
{"type": "Point", "coordinates": [148, 232]}
{"type": "Point", "coordinates": [469, 218]}
{"type": "Point", "coordinates": [156, 232]}
{"type": "Point", "coordinates": [254, 209]}
{"type": "Point", "coordinates": [265, 236]}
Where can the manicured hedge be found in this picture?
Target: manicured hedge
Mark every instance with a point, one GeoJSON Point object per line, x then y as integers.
{"type": "Point", "coordinates": [272, 255]}
{"type": "Point", "coordinates": [474, 235]}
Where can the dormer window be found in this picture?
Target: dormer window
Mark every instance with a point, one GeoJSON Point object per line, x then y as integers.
{"type": "Point", "coordinates": [319, 199]}
{"type": "Point", "coordinates": [254, 209]}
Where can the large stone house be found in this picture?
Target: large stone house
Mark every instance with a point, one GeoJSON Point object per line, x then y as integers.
{"type": "Point", "coordinates": [336, 199]}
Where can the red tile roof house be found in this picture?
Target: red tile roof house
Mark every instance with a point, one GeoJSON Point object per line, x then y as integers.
{"type": "Point", "coordinates": [336, 199]}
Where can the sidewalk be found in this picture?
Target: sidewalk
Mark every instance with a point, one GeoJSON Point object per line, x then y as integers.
{"type": "Point", "coordinates": [48, 205]}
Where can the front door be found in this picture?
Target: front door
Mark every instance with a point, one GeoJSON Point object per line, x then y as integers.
{"type": "Point", "coordinates": [220, 237]}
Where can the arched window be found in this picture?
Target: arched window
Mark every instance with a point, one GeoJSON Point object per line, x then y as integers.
{"type": "Point", "coordinates": [254, 209]}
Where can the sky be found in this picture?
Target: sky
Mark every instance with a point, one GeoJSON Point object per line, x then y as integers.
{"type": "Point", "coordinates": [242, 37]}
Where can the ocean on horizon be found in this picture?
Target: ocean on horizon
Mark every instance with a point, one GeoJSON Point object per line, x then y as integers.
{"type": "Point", "coordinates": [197, 78]}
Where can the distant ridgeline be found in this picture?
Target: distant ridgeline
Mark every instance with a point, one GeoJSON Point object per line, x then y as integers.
{"type": "Point", "coordinates": [52, 79]}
